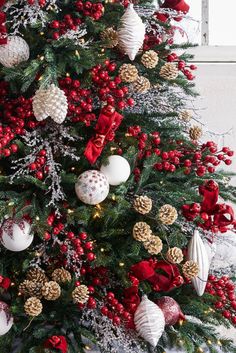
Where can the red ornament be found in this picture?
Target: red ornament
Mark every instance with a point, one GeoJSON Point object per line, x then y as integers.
{"type": "Point", "coordinates": [56, 342]}
{"type": "Point", "coordinates": [171, 310]}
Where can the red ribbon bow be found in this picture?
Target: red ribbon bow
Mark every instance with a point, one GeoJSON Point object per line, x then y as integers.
{"type": "Point", "coordinates": [56, 342]}
{"type": "Point", "coordinates": [108, 122]}
{"type": "Point", "coordinates": [3, 28]}
{"type": "Point", "coordinates": [177, 5]}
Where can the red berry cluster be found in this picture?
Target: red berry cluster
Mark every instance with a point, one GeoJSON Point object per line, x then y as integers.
{"type": "Point", "coordinates": [186, 70]}
{"type": "Point", "coordinates": [91, 303]}
{"type": "Point", "coordinates": [5, 282]}
{"type": "Point", "coordinates": [108, 88]}
{"type": "Point", "coordinates": [98, 276]}
{"type": "Point", "coordinates": [80, 103]}
{"type": "Point", "coordinates": [90, 9]}
{"type": "Point", "coordinates": [39, 167]}
{"type": "Point", "coordinates": [41, 3]}
{"type": "Point", "coordinates": [6, 136]}
{"type": "Point", "coordinates": [223, 288]}
{"type": "Point", "coordinates": [150, 40]}
{"type": "Point", "coordinates": [61, 27]}
{"type": "Point", "coordinates": [114, 310]}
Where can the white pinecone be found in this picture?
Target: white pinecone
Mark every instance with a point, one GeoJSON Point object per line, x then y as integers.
{"type": "Point", "coordinates": [56, 104]}
{"type": "Point", "coordinates": [39, 104]}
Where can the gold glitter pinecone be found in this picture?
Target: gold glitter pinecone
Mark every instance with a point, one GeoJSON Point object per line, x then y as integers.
{"type": "Point", "coordinates": [31, 288]}
{"type": "Point", "coordinates": [128, 73]}
{"type": "Point", "coordinates": [169, 71]}
{"type": "Point", "coordinates": [190, 269]}
{"type": "Point", "coordinates": [33, 307]}
{"type": "Point", "coordinates": [60, 275]}
{"type": "Point", "coordinates": [167, 214]}
{"type": "Point", "coordinates": [186, 115]}
{"type": "Point", "coordinates": [142, 204]}
{"type": "Point", "coordinates": [110, 37]}
{"type": "Point", "coordinates": [80, 294]}
{"type": "Point", "coordinates": [37, 275]}
{"type": "Point", "coordinates": [150, 59]}
{"type": "Point", "coordinates": [141, 85]}
{"type": "Point", "coordinates": [153, 245]}
{"type": "Point", "coordinates": [51, 290]}
{"type": "Point", "coordinates": [174, 255]}
{"type": "Point", "coordinates": [141, 231]}
{"type": "Point", "coordinates": [195, 132]}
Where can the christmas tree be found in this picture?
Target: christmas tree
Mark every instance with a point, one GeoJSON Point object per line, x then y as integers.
{"type": "Point", "coordinates": [109, 201]}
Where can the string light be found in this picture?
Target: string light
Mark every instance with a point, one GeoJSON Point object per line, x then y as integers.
{"type": "Point", "coordinates": [11, 203]}
{"type": "Point", "coordinates": [102, 249]}
{"type": "Point", "coordinates": [70, 211]}
{"type": "Point", "coordinates": [121, 264]}
{"type": "Point", "coordinates": [37, 218]}
{"type": "Point", "coordinates": [88, 348]}
{"type": "Point", "coordinates": [41, 33]}
{"type": "Point", "coordinates": [209, 342]}
{"type": "Point", "coordinates": [219, 343]}
{"type": "Point", "coordinates": [67, 74]}
{"type": "Point", "coordinates": [181, 322]}
{"type": "Point", "coordinates": [200, 350]}
{"type": "Point", "coordinates": [77, 53]}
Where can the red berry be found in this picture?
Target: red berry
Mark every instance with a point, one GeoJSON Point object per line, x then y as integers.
{"type": "Point", "coordinates": [233, 304]}
{"type": "Point", "coordinates": [204, 216]}
{"type": "Point", "coordinates": [63, 248]}
{"type": "Point", "coordinates": [90, 256]}
{"type": "Point", "coordinates": [91, 289]}
{"type": "Point", "coordinates": [233, 319]}
{"type": "Point", "coordinates": [104, 310]}
{"type": "Point", "coordinates": [47, 236]}
{"type": "Point", "coordinates": [226, 314]}
{"type": "Point", "coordinates": [55, 24]}
{"type": "Point", "coordinates": [110, 296]}
{"type": "Point", "coordinates": [116, 320]}
{"type": "Point", "coordinates": [77, 283]}
{"type": "Point", "coordinates": [39, 175]}
{"type": "Point", "coordinates": [228, 161]}
{"type": "Point", "coordinates": [14, 147]}
{"type": "Point", "coordinates": [88, 245]}
{"type": "Point", "coordinates": [91, 304]}
{"type": "Point", "coordinates": [219, 305]}
{"type": "Point", "coordinates": [83, 236]}
{"type": "Point", "coordinates": [56, 35]}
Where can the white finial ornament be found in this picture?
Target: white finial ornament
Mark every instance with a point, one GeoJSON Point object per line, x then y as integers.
{"type": "Point", "coordinates": [131, 32]}
{"type": "Point", "coordinates": [14, 52]}
{"type": "Point", "coordinates": [6, 319]}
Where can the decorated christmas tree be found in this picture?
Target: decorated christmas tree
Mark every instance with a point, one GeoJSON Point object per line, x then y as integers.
{"type": "Point", "coordinates": [109, 200]}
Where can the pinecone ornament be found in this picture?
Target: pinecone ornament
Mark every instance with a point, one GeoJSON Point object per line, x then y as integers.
{"type": "Point", "coordinates": [142, 204]}
{"type": "Point", "coordinates": [174, 255]}
{"type": "Point", "coordinates": [169, 71]}
{"type": "Point", "coordinates": [195, 132]}
{"type": "Point", "coordinates": [141, 85]}
{"type": "Point", "coordinates": [186, 115]}
{"type": "Point", "coordinates": [36, 275]}
{"type": "Point", "coordinates": [153, 245]}
{"type": "Point", "coordinates": [128, 73]}
{"type": "Point", "coordinates": [31, 288]}
{"type": "Point", "coordinates": [110, 36]}
{"type": "Point", "coordinates": [150, 59]}
{"type": "Point", "coordinates": [80, 294]}
{"type": "Point", "coordinates": [141, 231]}
{"type": "Point", "coordinates": [190, 269]}
{"type": "Point", "coordinates": [60, 275]}
{"type": "Point", "coordinates": [33, 307]}
{"type": "Point", "coordinates": [167, 214]}
{"type": "Point", "coordinates": [51, 290]}
{"type": "Point", "coordinates": [39, 104]}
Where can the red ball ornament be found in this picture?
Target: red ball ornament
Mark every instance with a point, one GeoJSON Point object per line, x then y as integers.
{"type": "Point", "coordinates": [171, 310]}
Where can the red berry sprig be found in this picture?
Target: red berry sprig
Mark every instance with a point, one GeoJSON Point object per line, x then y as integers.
{"type": "Point", "coordinates": [90, 9]}
{"type": "Point", "coordinates": [182, 66]}
{"type": "Point", "coordinates": [60, 27]}
{"type": "Point", "coordinates": [115, 310]}
{"type": "Point", "coordinates": [39, 167]}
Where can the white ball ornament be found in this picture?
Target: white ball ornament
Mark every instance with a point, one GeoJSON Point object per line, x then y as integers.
{"type": "Point", "coordinates": [6, 319]}
{"type": "Point", "coordinates": [92, 187]}
{"type": "Point", "coordinates": [15, 234]}
{"type": "Point", "coordinates": [14, 52]}
{"type": "Point", "coordinates": [117, 170]}
{"type": "Point", "coordinates": [149, 321]}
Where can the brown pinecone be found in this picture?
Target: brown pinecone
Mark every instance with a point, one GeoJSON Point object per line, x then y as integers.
{"type": "Point", "coordinates": [150, 59]}
{"type": "Point", "coordinates": [174, 255]}
{"type": "Point", "coordinates": [128, 73]}
{"type": "Point", "coordinates": [51, 290]}
{"type": "Point", "coordinates": [142, 204]}
{"type": "Point", "coordinates": [169, 71]}
{"type": "Point", "coordinates": [190, 269]}
{"type": "Point", "coordinates": [31, 288]}
{"type": "Point", "coordinates": [80, 294]}
{"type": "Point", "coordinates": [60, 275]}
{"type": "Point", "coordinates": [185, 115]}
{"type": "Point", "coordinates": [153, 245]}
{"type": "Point", "coordinates": [195, 132]}
{"type": "Point", "coordinates": [167, 214]}
{"type": "Point", "coordinates": [141, 231]}
{"type": "Point", "coordinates": [110, 36]}
{"type": "Point", "coordinates": [33, 307]}
{"type": "Point", "coordinates": [141, 85]}
{"type": "Point", "coordinates": [37, 275]}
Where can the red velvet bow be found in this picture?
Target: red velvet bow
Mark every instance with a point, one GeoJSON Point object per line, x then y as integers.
{"type": "Point", "coordinates": [3, 28]}
{"type": "Point", "coordinates": [218, 217]}
{"type": "Point", "coordinates": [108, 122]}
{"type": "Point", "coordinates": [56, 342]}
{"type": "Point", "coordinates": [177, 5]}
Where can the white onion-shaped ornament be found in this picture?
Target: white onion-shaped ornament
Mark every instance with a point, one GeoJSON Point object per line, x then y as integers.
{"type": "Point", "coordinates": [149, 321]}
{"type": "Point", "coordinates": [15, 234]}
{"type": "Point", "coordinates": [6, 319]}
{"type": "Point", "coordinates": [197, 252]}
{"type": "Point", "coordinates": [14, 52]}
{"type": "Point", "coordinates": [92, 187]}
{"type": "Point", "coordinates": [117, 170]}
{"type": "Point", "coordinates": [131, 32]}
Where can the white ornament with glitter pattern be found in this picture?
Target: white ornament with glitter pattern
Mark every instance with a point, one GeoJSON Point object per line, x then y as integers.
{"type": "Point", "coordinates": [6, 319]}
{"type": "Point", "coordinates": [92, 187]}
{"type": "Point", "coordinates": [117, 170]}
{"type": "Point", "coordinates": [15, 235]}
{"type": "Point", "coordinates": [14, 52]}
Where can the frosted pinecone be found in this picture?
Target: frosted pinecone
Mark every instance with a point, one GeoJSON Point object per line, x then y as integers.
{"type": "Point", "coordinates": [153, 245]}
{"type": "Point", "coordinates": [150, 59]}
{"type": "Point", "coordinates": [169, 71]}
{"type": "Point", "coordinates": [190, 269]}
{"type": "Point", "coordinates": [14, 52]}
{"type": "Point", "coordinates": [31, 288]}
{"type": "Point", "coordinates": [51, 290]}
{"type": "Point", "coordinates": [186, 115]}
{"type": "Point", "coordinates": [142, 204]}
{"type": "Point", "coordinates": [39, 104]}
{"type": "Point", "coordinates": [141, 231]}
{"type": "Point", "coordinates": [128, 73]}
{"type": "Point", "coordinates": [195, 132]}
{"type": "Point", "coordinates": [33, 307]}
{"type": "Point", "coordinates": [37, 275]}
{"type": "Point", "coordinates": [56, 104]}
{"type": "Point", "coordinates": [167, 214]}
{"type": "Point", "coordinates": [61, 275]}
{"type": "Point", "coordinates": [174, 255]}
{"type": "Point", "coordinates": [141, 85]}
{"type": "Point", "coordinates": [80, 294]}
{"type": "Point", "coordinates": [110, 36]}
